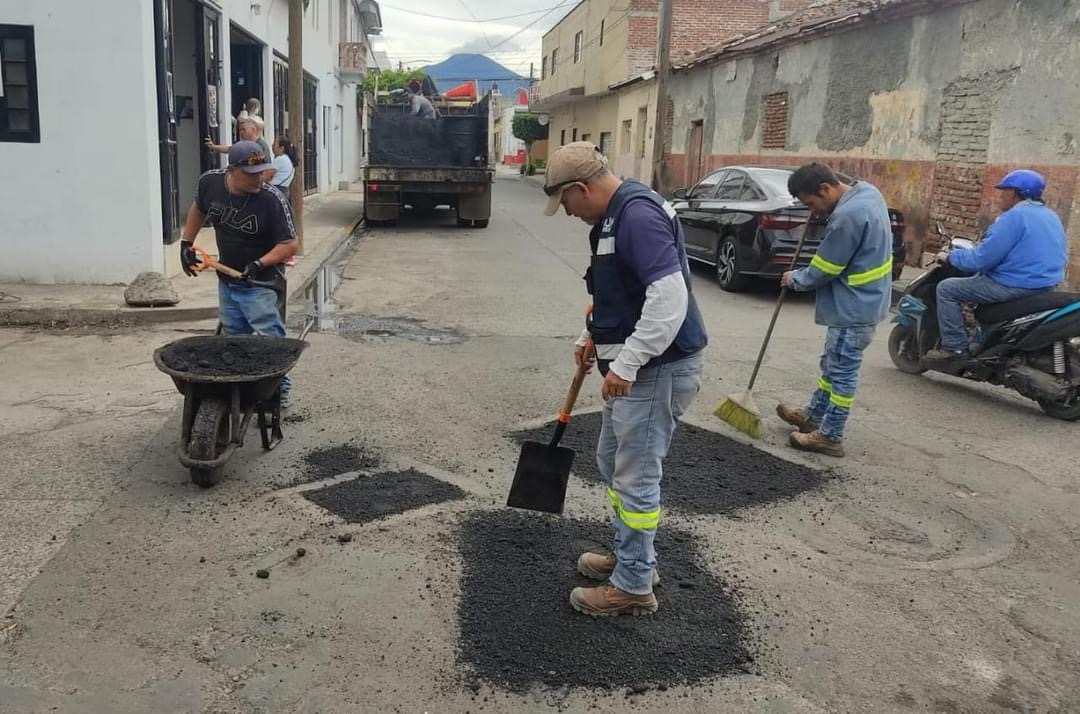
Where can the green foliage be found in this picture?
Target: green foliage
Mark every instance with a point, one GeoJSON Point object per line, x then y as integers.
{"type": "Point", "coordinates": [390, 79]}
{"type": "Point", "coordinates": [527, 127]}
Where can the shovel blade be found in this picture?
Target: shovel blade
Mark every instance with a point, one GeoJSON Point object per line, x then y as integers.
{"type": "Point", "coordinates": [541, 476]}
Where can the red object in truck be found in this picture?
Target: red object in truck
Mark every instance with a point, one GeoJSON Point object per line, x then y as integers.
{"type": "Point", "coordinates": [462, 91]}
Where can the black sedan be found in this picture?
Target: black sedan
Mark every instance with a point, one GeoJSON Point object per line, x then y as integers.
{"type": "Point", "coordinates": [743, 221]}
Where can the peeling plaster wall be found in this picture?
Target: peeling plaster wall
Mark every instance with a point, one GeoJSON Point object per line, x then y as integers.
{"type": "Point", "coordinates": [966, 94]}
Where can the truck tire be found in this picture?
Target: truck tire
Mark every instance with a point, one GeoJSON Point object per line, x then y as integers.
{"type": "Point", "coordinates": [483, 223]}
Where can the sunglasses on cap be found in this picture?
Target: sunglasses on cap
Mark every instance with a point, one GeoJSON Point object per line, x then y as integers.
{"type": "Point", "coordinates": [552, 190]}
{"type": "Point", "coordinates": [253, 160]}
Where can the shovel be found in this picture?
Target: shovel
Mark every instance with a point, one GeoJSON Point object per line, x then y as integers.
{"type": "Point", "coordinates": [543, 469]}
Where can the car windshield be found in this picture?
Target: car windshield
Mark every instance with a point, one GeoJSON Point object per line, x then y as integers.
{"type": "Point", "coordinates": [774, 181]}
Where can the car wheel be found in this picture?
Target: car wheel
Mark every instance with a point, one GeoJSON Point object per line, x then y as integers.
{"type": "Point", "coordinates": [727, 267]}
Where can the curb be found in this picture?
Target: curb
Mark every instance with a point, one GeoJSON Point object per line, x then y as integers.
{"type": "Point", "coordinates": [77, 317]}
{"type": "Point", "coordinates": [299, 277]}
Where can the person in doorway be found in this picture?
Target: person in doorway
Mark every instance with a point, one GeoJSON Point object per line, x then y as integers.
{"type": "Point", "coordinates": [420, 106]}
{"type": "Point", "coordinates": [649, 337]}
{"type": "Point", "coordinates": [1023, 253]}
{"type": "Point", "coordinates": [284, 163]}
{"type": "Point", "coordinates": [852, 276]}
{"type": "Point", "coordinates": [254, 228]}
{"type": "Point", "coordinates": [251, 128]}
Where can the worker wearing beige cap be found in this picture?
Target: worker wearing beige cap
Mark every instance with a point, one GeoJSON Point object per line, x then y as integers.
{"type": "Point", "coordinates": [649, 336]}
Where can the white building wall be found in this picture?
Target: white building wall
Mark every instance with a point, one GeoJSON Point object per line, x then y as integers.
{"type": "Point", "coordinates": [84, 205]}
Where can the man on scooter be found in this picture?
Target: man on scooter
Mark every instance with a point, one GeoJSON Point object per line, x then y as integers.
{"type": "Point", "coordinates": [1023, 253]}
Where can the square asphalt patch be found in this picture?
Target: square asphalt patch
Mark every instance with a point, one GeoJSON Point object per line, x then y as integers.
{"type": "Point", "coordinates": [704, 473]}
{"type": "Point", "coordinates": [518, 629]}
{"type": "Point", "coordinates": [369, 498]}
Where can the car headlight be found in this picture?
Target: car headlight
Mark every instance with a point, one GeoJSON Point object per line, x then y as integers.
{"type": "Point", "coordinates": [1075, 343]}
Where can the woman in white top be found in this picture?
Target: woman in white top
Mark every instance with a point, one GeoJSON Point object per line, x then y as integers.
{"type": "Point", "coordinates": [284, 162]}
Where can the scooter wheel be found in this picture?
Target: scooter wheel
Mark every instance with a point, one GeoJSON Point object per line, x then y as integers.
{"type": "Point", "coordinates": [904, 349]}
{"type": "Point", "coordinates": [1068, 410]}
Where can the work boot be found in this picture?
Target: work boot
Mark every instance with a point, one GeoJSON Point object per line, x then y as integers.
{"type": "Point", "coordinates": [818, 443]}
{"type": "Point", "coordinates": [606, 600]}
{"type": "Point", "coordinates": [596, 566]}
{"type": "Point", "coordinates": [796, 417]}
{"type": "Point", "coordinates": [948, 356]}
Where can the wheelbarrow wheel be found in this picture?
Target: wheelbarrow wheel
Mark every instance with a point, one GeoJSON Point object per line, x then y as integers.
{"type": "Point", "coordinates": [209, 438]}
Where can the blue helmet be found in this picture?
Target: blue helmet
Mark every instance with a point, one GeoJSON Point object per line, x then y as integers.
{"type": "Point", "coordinates": [1028, 183]}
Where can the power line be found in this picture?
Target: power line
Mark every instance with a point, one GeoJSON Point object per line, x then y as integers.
{"type": "Point", "coordinates": [462, 19]}
{"type": "Point", "coordinates": [479, 25]}
{"type": "Point", "coordinates": [526, 27]}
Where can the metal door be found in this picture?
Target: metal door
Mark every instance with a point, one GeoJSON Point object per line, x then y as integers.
{"type": "Point", "coordinates": [169, 168]}
{"type": "Point", "coordinates": [695, 163]}
{"type": "Point", "coordinates": [311, 135]}
{"type": "Point", "coordinates": [208, 67]}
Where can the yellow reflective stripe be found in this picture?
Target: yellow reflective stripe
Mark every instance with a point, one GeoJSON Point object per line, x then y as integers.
{"type": "Point", "coordinates": [841, 401]}
{"type": "Point", "coordinates": [646, 521]}
{"type": "Point", "coordinates": [824, 385]}
{"type": "Point", "coordinates": [870, 276]}
{"type": "Point", "coordinates": [825, 266]}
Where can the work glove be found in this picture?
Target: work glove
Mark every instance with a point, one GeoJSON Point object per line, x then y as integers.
{"type": "Point", "coordinates": [252, 269]}
{"type": "Point", "coordinates": [188, 258]}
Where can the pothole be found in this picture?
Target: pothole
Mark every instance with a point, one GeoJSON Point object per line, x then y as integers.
{"type": "Point", "coordinates": [369, 498]}
{"type": "Point", "coordinates": [519, 631]}
{"type": "Point", "coordinates": [704, 473]}
{"type": "Point", "coordinates": [358, 326]}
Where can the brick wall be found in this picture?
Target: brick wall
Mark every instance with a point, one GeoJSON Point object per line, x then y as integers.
{"type": "Point", "coordinates": [775, 125]}
{"type": "Point", "coordinates": [699, 23]}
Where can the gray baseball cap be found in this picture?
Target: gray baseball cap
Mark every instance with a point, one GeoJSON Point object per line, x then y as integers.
{"type": "Point", "coordinates": [249, 157]}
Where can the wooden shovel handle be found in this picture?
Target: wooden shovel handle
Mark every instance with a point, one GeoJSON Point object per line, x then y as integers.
{"type": "Point", "coordinates": [575, 386]}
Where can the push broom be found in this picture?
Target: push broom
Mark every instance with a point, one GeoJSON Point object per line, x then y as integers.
{"type": "Point", "coordinates": [739, 410]}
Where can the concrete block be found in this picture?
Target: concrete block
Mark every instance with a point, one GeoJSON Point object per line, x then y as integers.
{"type": "Point", "coordinates": [151, 290]}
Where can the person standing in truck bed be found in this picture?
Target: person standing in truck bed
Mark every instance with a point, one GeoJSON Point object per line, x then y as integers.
{"type": "Point", "coordinates": [420, 105]}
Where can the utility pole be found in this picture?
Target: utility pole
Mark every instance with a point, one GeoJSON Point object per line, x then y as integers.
{"type": "Point", "coordinates": [531, 67]}
{"type": "Point", "coordinates": [663, 72]}
{"type": "Point", "coordinates": [296, 112]}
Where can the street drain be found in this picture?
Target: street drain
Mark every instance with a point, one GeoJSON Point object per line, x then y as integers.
{"type": "Point", "coordinates": [357, 326]}
{"type": "Point", "coordinates": [518, 629]}
{"type": "Point", "coordinates": [705, 472]}
{"type": "Point", "coordinates": [369, 498]}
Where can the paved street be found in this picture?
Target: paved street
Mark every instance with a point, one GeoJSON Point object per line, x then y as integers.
{"type": "Point", "coordinates": [934, 570]}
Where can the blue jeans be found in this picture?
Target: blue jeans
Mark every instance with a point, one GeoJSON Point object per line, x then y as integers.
{"type": "Point", "coordinates": [246, 310]}
{"type": "Point", "coordinates": [634, 440]}
{"type": "Point", "coordinates": [831, 404]}
{"type": "Point", "coordinates": [980, 289]}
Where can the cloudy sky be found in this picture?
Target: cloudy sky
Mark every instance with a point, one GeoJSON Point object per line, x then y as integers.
{"type": "Point", "coordinates": [508, 31]}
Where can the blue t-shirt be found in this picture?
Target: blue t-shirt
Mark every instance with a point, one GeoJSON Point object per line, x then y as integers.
{"type": "Point", "coordinates": [645, 243]}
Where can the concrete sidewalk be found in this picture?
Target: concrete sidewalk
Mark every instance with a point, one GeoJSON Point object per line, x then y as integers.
{"type": "Point", "coordinates": [329, 220]}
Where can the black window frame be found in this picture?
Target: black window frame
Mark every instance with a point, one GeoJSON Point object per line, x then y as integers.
{"type": "Point", "coordinates": [33, 134]}
{"type": "Point", "coordinates": [579, 40]}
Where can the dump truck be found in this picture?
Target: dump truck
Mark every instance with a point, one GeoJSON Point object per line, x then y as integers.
{"type": "Point", "coordinates": [419, 164]}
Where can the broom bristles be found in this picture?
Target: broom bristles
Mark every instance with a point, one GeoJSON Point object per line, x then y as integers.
{"type": "Point", "coordinates": [742, 414]}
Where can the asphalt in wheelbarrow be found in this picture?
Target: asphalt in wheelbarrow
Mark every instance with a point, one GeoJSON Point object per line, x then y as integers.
{"type": "Point", "coordinates": [231, 356]}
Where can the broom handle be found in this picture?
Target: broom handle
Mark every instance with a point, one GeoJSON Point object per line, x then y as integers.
{"type": "Point", "coordinates": [776, 311]}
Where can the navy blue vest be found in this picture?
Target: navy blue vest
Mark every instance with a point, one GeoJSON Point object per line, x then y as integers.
{"type": "Point", "coordinates": [618, 297]}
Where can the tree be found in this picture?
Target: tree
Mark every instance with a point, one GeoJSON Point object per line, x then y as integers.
{"type": "Point", "coordinates": [527, 127]}
{"type": "Point", "coordinates": [390, 79]}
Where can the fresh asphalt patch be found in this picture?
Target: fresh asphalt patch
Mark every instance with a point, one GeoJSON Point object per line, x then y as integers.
{"type": "Point", "coordinates": [369, 498]}
{"type": "Point", "coordinates": [519, 631]}
{"type": "Point", "coordinates": [704, 473]}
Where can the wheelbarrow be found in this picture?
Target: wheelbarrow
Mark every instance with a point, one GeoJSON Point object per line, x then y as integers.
{"type": "Point", "coordinates": [219, 403]}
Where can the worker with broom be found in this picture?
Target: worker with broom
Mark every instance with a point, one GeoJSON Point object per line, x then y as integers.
{"type": "Point", "coordinates": [648, 336]}
{"type": "Point", "coordinates": [852, 276]}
